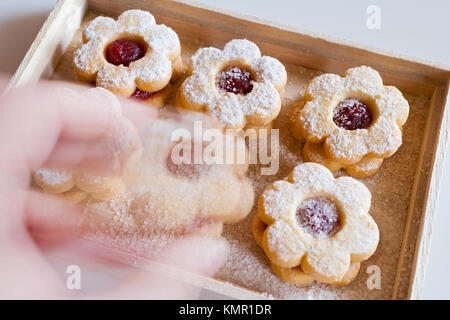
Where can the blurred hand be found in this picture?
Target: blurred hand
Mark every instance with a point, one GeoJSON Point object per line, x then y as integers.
{"type": "Point", "coordinates": [41, 128]}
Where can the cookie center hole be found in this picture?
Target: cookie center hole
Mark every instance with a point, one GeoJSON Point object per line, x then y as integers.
{"type": "Point", "coordinates": [124, 52]}
{"type": "Point", "coordinates": [319, 217]}
{"type": "Point", "coordinates": [352, 114]}
{"type": "Point", "coordinates": [184, 166]}
{"type": "Point", "coordinates": [235, 80]}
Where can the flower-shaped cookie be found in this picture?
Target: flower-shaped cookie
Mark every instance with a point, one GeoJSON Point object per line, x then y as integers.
{"type": "Point", "coordinates": [355, 117]}
{"type": "Point", "coordinates": [317, 222]}
{"type": "Point", "coordinates": [236, 85]}
{"type": "Point", "coordinates": [296, 275]}
{"type": "Point", "coordinates": [169, 191]}
{"type": "Point", "coordinates": [128, 54]}
{"type": "Point", "coordinates": [77, 187]}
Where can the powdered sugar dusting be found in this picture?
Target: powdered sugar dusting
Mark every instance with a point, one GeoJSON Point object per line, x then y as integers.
{"type": "Point", "coordinates": [382, 137]}
{"type": "Point", "coordinates": [53, 177]}
{"type": "Point", "coordinates": [247, 265]}
{"type": "Point", "coordinates": [259, 106]}
{"type": "Point", "coordinates": [319, 217]}
{"type": "Point", "coordinates": [91, 179]}
{"type": "Point", "coordinates": [235, 80]}
{"type": "Point", "coordinates": [352, 114]}
{"type": "Point", "coordinates": [156, 65]}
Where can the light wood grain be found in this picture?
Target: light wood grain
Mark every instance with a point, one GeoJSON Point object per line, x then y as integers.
{"type": "Point", "coordinates": [50, 43]}
{"type": "Point", "coordinates": [293, 45]}
{"type": "Point", "coordinates": [422, 190]}
{"type": "Point", "coordinates": [441, 121]}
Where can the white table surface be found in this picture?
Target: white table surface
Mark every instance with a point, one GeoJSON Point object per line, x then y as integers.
{"type": "Point", "coordinates": [418, 28]}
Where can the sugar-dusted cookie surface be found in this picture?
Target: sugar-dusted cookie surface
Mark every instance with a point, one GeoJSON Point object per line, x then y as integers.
{"type": "Point", "coordinates": [351, 122]}
{"type": "Point", "coordinates": [236, 85]}
{"type": "Point", "coordinates": [317, 223]}
{"type": "Point", "coordinates": [77, 187]}
{"type": "Point", "coordinates": [53, 181]}
{"type": "Point", "coordinates": [176, 189]}
{"type": "Point", "coordinates": [247, 265]}
{"type": "Point", "coordinates": [296, 275]}
{"type": "Point", "coordinates": [130, 56]}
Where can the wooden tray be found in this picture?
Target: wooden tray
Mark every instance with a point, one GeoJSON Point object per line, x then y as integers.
{"type": "Point", "coordinates": [408, 204]}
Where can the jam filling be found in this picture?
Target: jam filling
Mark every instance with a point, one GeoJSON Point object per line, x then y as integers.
{"type": "Point", "coordinates": [187, 170]}
{"type": "Point", "coordinates": [352, 114]}
{"type": "Point", "coordinates": [124, 52]}
{"type": "Point", "coordinates": [138, 94]}
{"type": "Point", "coordinates": [235, 80]}
{"type": "Point", "coordinates": [319, 217]}
{"type": "Point", "coordinates": [143, 95]}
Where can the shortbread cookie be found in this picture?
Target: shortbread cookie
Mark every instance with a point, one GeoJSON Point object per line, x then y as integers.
{"type": "Point", "coordinates": [154, 99]}
{"type": "Point", "coordinates": [100, 188]}
{"type": "Point", "coordinates": [129, 56]}
{"type": "Point", "coordinates": [53, 181]}
{"type": "Point", "coordinates": [367, 166]}
{"type": "Point", "coordinates": [171, 190]}
{"type": "Point", "coordinates": [351, 274]}
{"type": "Point", "coordinates": [294, 124]}
{"type": "Point", "coordinates": [251, 131]}
{"type": "Point", "coordinates": [178, 68]}
{"type": "Point", "coordinates": [355, 120]}
{"type": "Point", "coordinates": [296, 275]}
{"type": "Point", "coordinates": [77, 187]}
{"type": "Point", "coordinates": [74, 195]}
{"type": "Point", "coordinates": [258, 228]}
{"type": "Point", "coordinates": [318, 222]}
{"type": "Point", "coordinates": [235, 85]}
{"type": "Point", "coordinates": [292, 275]}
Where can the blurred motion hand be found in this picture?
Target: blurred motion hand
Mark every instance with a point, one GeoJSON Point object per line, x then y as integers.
{"type": "Point", "coordinates": [40, 128]}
